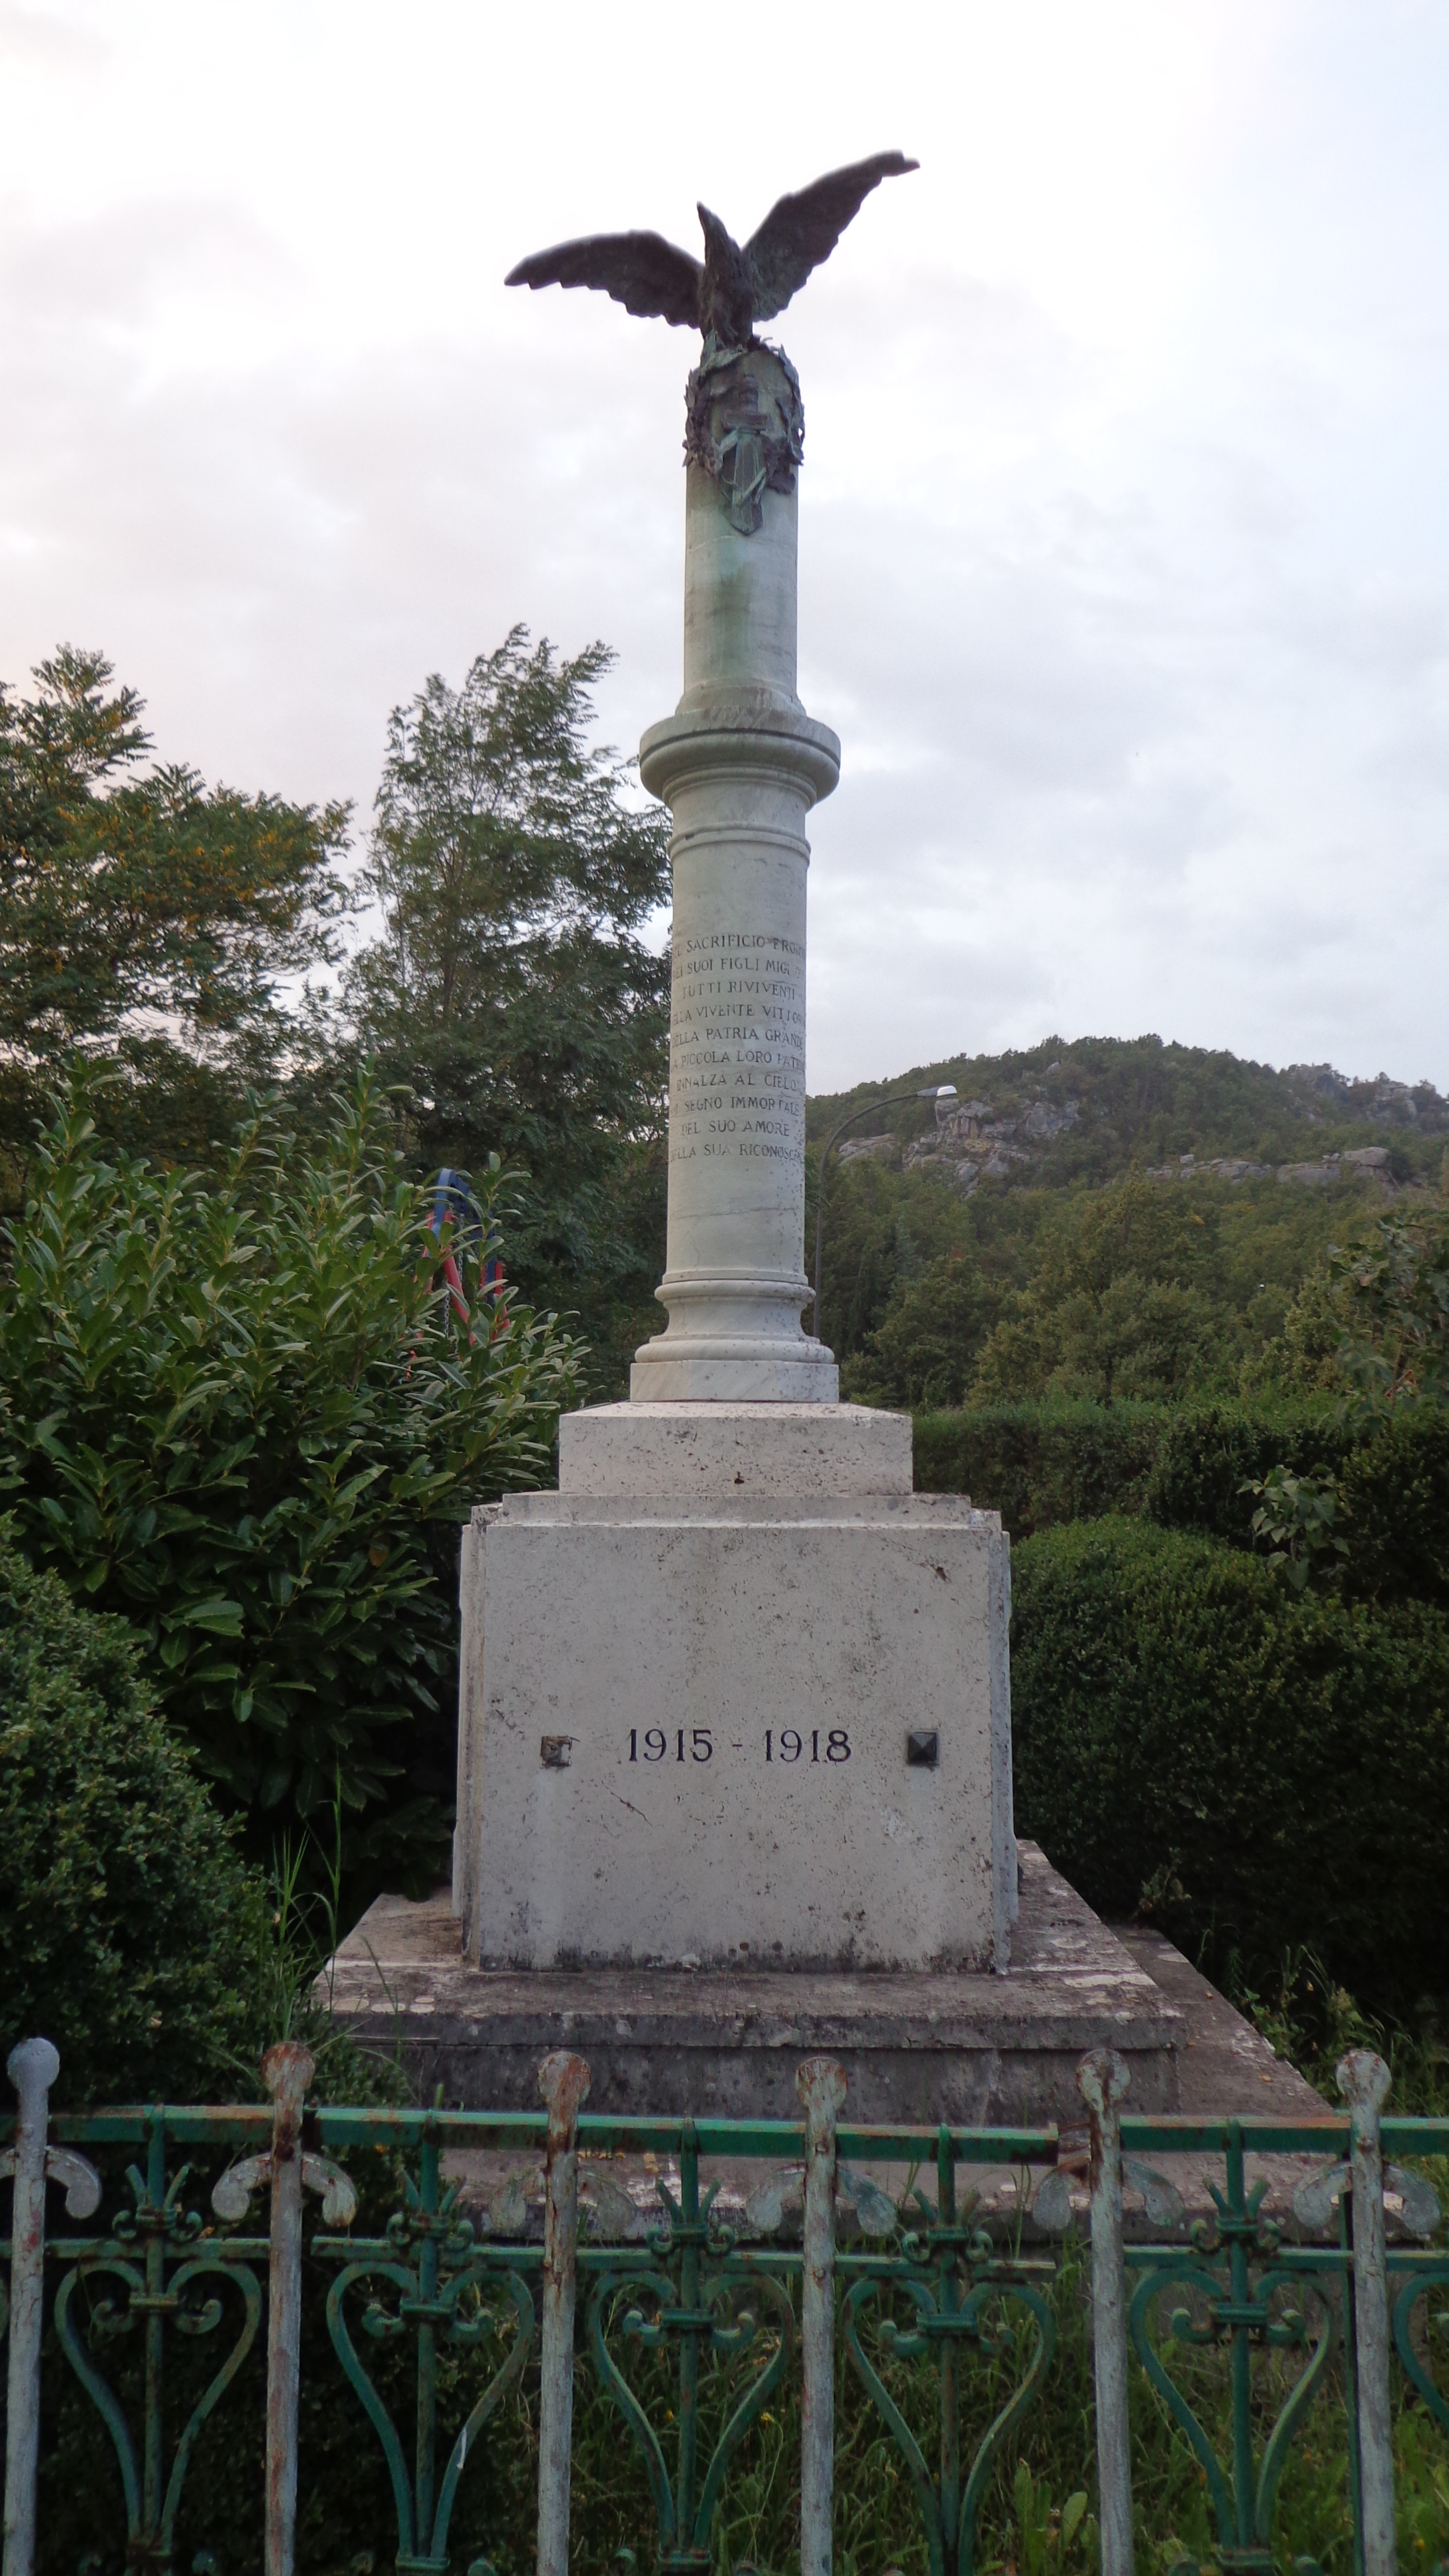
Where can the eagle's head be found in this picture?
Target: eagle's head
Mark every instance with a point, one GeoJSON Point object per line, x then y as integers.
{"type": "Point", "coordinates": [727, 298]}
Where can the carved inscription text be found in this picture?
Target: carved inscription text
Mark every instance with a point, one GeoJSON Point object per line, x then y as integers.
{"type": "Point", "coordinates": [737, 1054]}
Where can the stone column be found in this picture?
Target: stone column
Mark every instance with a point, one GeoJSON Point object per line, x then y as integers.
{"type": "Point", "coordinates": [739, 764]}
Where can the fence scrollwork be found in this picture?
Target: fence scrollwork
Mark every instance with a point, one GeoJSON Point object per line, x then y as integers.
{"type": "Point", "coordinates": [699, 2306]}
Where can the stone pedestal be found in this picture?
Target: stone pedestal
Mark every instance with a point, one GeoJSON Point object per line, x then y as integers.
{"type": "Point", "coordinates": [735, 1695]}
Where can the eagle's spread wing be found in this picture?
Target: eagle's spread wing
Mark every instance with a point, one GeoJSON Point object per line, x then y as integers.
{"type": "Point", "coordinates": [642, 271]}
{"type": "Point", "coordinates": [802, 230]}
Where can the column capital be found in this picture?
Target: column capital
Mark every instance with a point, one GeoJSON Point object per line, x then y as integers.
{"type": "Point", "coordinates": [740, 729]}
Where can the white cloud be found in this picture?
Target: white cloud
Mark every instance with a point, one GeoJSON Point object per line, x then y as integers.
{"type": "Point", "coordinates": [1125, 531]}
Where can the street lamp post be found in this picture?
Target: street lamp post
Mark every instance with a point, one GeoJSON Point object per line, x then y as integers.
{"type": "Point", "coordinates": [934, 1091]}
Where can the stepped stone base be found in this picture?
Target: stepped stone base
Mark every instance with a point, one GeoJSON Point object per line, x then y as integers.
{"type": "Point", "coordinates": [974, 2049]}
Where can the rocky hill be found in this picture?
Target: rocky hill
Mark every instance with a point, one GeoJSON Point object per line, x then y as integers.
{"type": "Point", "coordinates": [1096, 1108]}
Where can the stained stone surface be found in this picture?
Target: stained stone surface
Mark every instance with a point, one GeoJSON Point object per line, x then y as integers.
{"type": "Point", "coordinates": [970, 2048]}
{"type": "Point", "coordinates": [979, 2051]}
{"type": "Point", "coordinates": [686, 1733]}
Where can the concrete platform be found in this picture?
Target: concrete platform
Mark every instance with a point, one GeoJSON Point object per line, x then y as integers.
{"type": "Point", "coordinates": [985, 2050]}
{"type": "Point", "coordinates": [973, 2049]}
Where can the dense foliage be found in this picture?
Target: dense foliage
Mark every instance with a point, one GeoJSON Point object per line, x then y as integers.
{"type": "Point", "coordinates": [1391, 1293]}
{"type": "Point", "coordinates": [1133, 1291]}
{"type": "Point", "coordinates": [515, 993]}
{"type": "Point", "coordinates": [1069, 1252]}
{"type": "Point", "coordinates": [1039, 1463]}
{"type": "Point", "coordinates": [239, 1409]}
{"type": "Point", "coordinates": [142, 911]}
{"type": "Point", "coordinates": [1186, 1467]}
{"type": "Point", "coordinates": [1260, 1769]}
{"type": "Point", "coordinates": [131, 1930]}
{"type": "Point", "coordinates": [1230, 1654]}
{"type": "Point", "coordinates": [515, 869]}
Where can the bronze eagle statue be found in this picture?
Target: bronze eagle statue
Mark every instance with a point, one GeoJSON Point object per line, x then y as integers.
{"type": "Point", "coordinates": [732, 288]}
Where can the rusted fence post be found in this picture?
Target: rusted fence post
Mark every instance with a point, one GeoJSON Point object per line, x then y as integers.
{"type": "Point", "coordinates": [1363, 2080]}
{"type": "Point", "coordinates": [287, 2070]}
{"type": "Point", "coordinates": [563, 2081]}
{"type": "Point", "coordinates": [32, 2068]}
{"type": "Point", "coordinates": [820, 2084]}
{"type": "Point", "coordinates": [1102, 2081]}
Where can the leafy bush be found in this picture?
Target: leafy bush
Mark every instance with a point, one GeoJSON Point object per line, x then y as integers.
{"type": "Point", "coordinates": [1042, 1462]}
{"type": "Point", "coordinates": [1185, 1467]}
{"type": "Point", "coordinates": [1207, 1452]}
{"type": "Point", "coordinates": [1395, 1510]}
{"type": "Point", "coordinates": [1294, 1520]}
{"type": "Point", "coordinates": [1271, 1770]}
{"type": "Point", "coordinates": [131, 1930]}
{"type": "Point", "coordinates": [1393, 1486]}
{"type": "Point", "coordinates": [241, 1414]}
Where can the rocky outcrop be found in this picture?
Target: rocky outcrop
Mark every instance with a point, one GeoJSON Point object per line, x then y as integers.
{"type": "Point", "coordinates": [1382, 1102]}
{"type": "Point", "coordinates": [1222, 1167]}
{"type": "Point", "coordinates": [1034, 1134]}
{"type": "Point", "coordinates": [869, 1149]}
{"type": "Point", "coordinates": [1358, 1163]}
{"type": "Point", "coordinates": [1043, 1121]}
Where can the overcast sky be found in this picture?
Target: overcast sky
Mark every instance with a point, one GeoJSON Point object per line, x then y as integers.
{"type": "Point", "coordinates": [1125, 509]}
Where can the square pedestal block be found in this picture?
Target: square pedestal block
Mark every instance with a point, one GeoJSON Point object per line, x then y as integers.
{"type": "Point", "coordinates": [724, 1730]}
{"type": "Point", "coordinates": [670, 1452]}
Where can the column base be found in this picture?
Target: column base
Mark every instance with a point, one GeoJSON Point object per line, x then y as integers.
{"type": "Point", "coordinates": [724, 2042]}
{"type": "Point", "coordinates": [662, 1376]}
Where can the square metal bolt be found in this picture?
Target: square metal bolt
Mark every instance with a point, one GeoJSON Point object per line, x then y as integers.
{"type": "Point", "coordinates": [556, 1752]}
{"type": "Point", "coordinates": [923, 1749]}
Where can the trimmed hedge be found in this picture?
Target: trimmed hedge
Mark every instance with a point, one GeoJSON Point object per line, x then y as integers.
{"type": "Point", "coordinates": [1269, 1770]}
{"type": "Point", "coordinates": [1038, 1463]}
{"type": "Point", "coordinates": [131, 1931]}
{"type": "Point", "coordinates": [1395, 1486]}
{"type": "Point", "coordinates": [1183, 1466]}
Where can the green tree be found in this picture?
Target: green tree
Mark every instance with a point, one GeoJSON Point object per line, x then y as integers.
{"type": "Point", "coordinates": [1302, 1359]}
{"type": "Point", "coordinates": [925, 1350]}
{"type": "Point", "coordinates": [1115, 1308]}
{"type": "Point", "coordinates": [1392, 1292]}
{"type": "Point", "coordinates": [515, 869]}
{"type": "Point", "coordinates": [239, 1409]}
{"type": "Point", "coordinates": [141, 912]}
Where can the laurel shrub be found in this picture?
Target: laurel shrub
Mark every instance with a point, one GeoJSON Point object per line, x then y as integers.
{"type": "Point", "coordinates": [238, 1408]}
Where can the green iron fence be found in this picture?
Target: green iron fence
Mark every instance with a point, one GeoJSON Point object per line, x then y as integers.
{"type": "Point", "coordinates": [815, 2250]}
